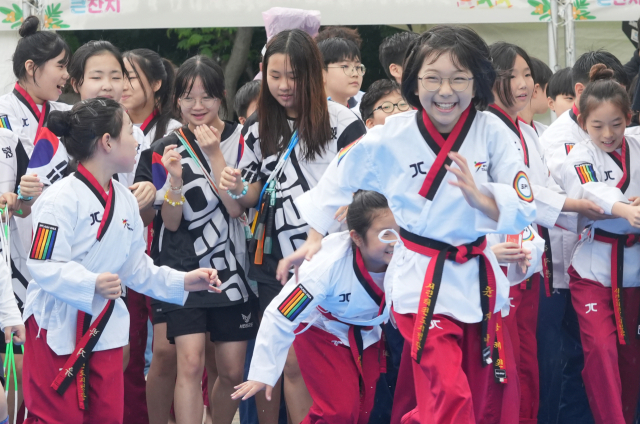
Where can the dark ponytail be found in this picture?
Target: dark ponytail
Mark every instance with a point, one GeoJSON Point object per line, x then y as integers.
{"type": "Point", "coordinates": [81, 127]}
{"type": "Point", "coordinates": [38, 46]}
{"type": "Point", "coordinates": [156, 68]}
{"type": "Point", "coordinates": [363, 209]}
{"type": "Point", "coordinates": [602, 88]}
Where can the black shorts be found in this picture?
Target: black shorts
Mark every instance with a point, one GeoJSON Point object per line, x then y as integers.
{"type": "Point", "coordinates": [266, 293]}
{"type": "Point", "coordinates": [233, 323]}
{"type": "Point", "coordinates": [158, 316]}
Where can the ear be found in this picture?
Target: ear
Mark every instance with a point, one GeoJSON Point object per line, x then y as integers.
{"type": "Point", "coordinates": [324, 76]}
{"type": "Point", "coordinates": [628, 122]}
{"type": "Point", "coordinates": [396, 72]}
{"type": "Point", "coordinates": [356, 238]}
{"type": "Point", "coordinates": [579, 88]}
{"type": "Point", "coordinates": [74, 84]}
{"type": "Point", "coordinates": [156, 86]}
{"type": "Point", "coordinates": [105, 143]}
{"type": "Point", "coordinates": [535, 91]}
{"type": "Point", "coordinates": [369, 123]}
{"type": "Point", "coordinates": [551, 104]}
{"type": "Point", "coordinates": [29, 66]}
{"type": "Point", "coordinates": [242, 120]}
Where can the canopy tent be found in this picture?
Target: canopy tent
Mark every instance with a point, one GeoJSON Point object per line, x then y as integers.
{"type": "Point", "coordinates": [524, 22]}
{"type": "Point", "coordinates": [124, 14]}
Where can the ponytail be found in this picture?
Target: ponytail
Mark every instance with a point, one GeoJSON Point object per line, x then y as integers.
{"type": "Point", "coordinates": [81, 127]}
{"type": "Point", "coordinates": [602, 88]}
{"type": "Point", "coordinates": [156, 68]}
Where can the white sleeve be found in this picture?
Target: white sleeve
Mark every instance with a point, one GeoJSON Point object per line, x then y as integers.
{"type": "Point", "coordinates": [139, 272]}
{"type": "Point", "coordinates": [281, 318]}
{"type": "Point", "coordinates": [55, 272]}
{"type": "Point", "coordinates": [9, 312]}
{"type": "Point", "coordinates": [536, 245]}
{"type": "Point", "coordinates": [8, 161]}
{"type": "Point", "coordinates": [555, 154]}
{"type": "Point", "coordinates": [344, 176]}
{"type": "Point", "coordinates": [509, 186]}
{"type": "Point", "coordinates": [582, 180]}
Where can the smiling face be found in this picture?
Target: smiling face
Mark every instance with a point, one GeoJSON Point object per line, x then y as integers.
{"type": "Point", "coordinates": [376, 254]}
{"type": "Point", "coordinates": [102, 78]}
{"type": "Point", "coordinates": [50, 80]}
{"type": "Point", "coordinates": [444, 105]}
{"type": "Point", "coordinates": [606, 124]}
{"type": "Point", "coordinates": [521, 84]}
{"type": "Point", "coordinates": [138, 93]}
{"type": "Point", "coordinates": [199, 107]}
{"type": "Point", "coordinates": [281, 82]}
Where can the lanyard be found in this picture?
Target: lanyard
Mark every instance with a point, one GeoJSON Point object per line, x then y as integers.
{"type": "Point", "coordinates": [275, 175]}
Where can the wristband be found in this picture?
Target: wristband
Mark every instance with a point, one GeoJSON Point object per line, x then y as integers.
{"type": "Point", "coordinates": [21, 197]}
{"type": "Point", "coordinates": [245, 189]}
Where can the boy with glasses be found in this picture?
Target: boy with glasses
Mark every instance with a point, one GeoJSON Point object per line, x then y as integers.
{"type": "Point", "coordinates": [383, 99]}
{"type": "Point", "coordinates": [343, 71]}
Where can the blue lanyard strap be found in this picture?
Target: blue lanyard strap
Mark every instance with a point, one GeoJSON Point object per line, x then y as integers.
{"type": "Point", "coordinates": [281, 163]}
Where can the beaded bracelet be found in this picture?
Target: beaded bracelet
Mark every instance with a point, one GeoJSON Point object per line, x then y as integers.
{"type": "Point", "coordinates": [245, 188]}
{"type": "Point", "coordinates": [171, 202]}
{"type": "Point", "coordinates": [21, 197]}
{"type": "Point", "coordinates": [177, 189]}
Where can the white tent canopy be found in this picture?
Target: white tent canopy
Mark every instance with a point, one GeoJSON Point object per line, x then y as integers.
{"type": "Point", "coordinates": [125, 14]}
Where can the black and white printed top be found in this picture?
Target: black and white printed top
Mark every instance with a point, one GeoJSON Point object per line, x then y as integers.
{"type": "Point", "coordinates": [299, 176]}
{"type": "Point", "coordinates": [207, 236]}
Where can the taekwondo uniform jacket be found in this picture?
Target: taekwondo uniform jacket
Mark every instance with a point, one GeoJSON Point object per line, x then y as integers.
{"type": "Point", "coordinates": [79, 233]}
{"type": "Point", "coordinates": [394, 160]}
{"type": "Point", "coordinates": [604, 178]}
{"type": "Point", "coordinates": [334, 281]}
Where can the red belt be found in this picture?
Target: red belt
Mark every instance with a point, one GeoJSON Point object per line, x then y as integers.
{"type": "Point", "coordinates": [491, 323]}
{"type": "Point", "coordinates": [87, 336]}
{"type": "Point", "coordinates": [618, 243]}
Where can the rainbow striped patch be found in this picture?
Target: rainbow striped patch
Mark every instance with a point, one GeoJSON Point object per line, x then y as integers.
{"type": "Point", "coordinates": [43, 242]}
{"type": "Point", "coordinates": [343, 152]}
{"type": "Point", "coordinates": [586, 173]}
{"type": "Point", "coordinates": [527, 234]}
{"type": "Point", "coordinates": [522, 187]}
{"type": "Point", "coordinates": [297, 301]}
{"type": "Point", "coordinates": [568, 147]}
{"type": "Point", "coordinates": [4, 122]}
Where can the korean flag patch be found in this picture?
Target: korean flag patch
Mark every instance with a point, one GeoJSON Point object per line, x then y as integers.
{"type": "Point", "coordinates": [297, 301]}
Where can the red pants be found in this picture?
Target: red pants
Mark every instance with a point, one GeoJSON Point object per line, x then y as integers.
{"type": "Point", "coordinates": [135, 409]}
{"type": "Point", "coordinates": [46, 406]}
{"type": "Point", "coordinates": [451, 384]}
{"type": "Point", "coordinates": [332, 378]}
{"type": "Point", "coordinates": [611, 371]}
{"type": "Point", "coordinates": [522, 323]}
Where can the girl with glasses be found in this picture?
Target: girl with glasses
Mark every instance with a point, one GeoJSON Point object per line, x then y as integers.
{"type": "Point", "coordinates": [198, 224]}
{"type": "Point", "coordinates": [450, 179]}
